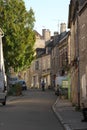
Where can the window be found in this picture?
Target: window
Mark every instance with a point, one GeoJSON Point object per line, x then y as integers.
{"type": "Point", "coordinates": [83, 41]}
{"type": "Point", "coordinates": [37, 65]}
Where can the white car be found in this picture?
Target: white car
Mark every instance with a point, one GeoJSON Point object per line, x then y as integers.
{"type": "Point", "coordinates": [3, 92]}
{"type": "Point", "coordinates": [3, 96]}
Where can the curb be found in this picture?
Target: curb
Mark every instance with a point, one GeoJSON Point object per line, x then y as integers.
{"type": "Point", "coordinates": [65, 125]}
{"type": "Point", "coordinates": [12, 98]}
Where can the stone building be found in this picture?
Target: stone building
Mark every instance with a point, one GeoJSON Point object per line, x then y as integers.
{"type": "Point", "coordinates": [27, 74]}
{"type": "Point", "coordinates": [46, 67]}
{"type": "Point", "coordinates": [35, 73]}
{"type": "Point", "coordinates": [40, 67]}
{"type": "Point", "coordinates": [82, 34]}
{"type": "Point", "coordinates": [59, 54]}
{"type": "Point", "coordinates": [78, 39]}
{"type": "Point", "coordinates": [40, 42]}
{"type": "Point", "coordinates": [54, 61]}
{"type": "Point", "coordinates": [72, 24]}
{"type": "Point", "coordinates": [63, 54]}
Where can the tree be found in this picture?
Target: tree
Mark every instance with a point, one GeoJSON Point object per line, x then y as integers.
{"type": "Point", "coordinates": [19, 37]}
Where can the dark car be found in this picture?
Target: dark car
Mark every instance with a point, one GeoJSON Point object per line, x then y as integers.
{"type": "Point", "coordinates": [23, 84]}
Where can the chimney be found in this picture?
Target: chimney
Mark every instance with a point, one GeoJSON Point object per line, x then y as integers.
{"type": "Point", "coordinates": [62, 27]}
{"type": "Point", "coordinates": [56, 33]}
{"type": "Point", "coordinates": [46, 34]}
{"type": "Point", "coordinates": [55, 37]}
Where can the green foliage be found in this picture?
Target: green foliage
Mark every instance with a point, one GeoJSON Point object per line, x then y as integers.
{"type": "Point", "coordinates": [15, 90]}
{"type": "Point", "coordinates": [19, 37]}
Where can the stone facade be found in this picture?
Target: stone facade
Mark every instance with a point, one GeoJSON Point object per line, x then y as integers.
{"type": "Point", "coordinates": [40, 42]}
{"type": "Point", "coordinates": [40, 67]}
{"type": "Point", "coordinates": [40, 70]}
{"type": "Point", "coordinates": [73, 23]}
{"type": "Point", "coordinates": [46, 67]}
{"type": "Point", "coordinates": [63, 54]}
{"type": "Point", "coordinates": [83, 47]}
{"type": "Point", "coordinates": [35, 73]}
{"type": "Point", "coordinates": [59, 56]}
{"type": "Point", "coordinates": [54, 60]}
{"type": "Point", "coordinates": [78, 55]}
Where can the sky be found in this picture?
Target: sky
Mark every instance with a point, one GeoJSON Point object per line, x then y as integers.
{"type": "Point", "coordinates": [49, 13]}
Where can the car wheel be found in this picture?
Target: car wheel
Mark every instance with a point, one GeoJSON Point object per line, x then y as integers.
{"type": "Point", "coordinates": [4, 102]}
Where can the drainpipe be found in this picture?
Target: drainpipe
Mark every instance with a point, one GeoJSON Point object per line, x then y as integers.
{"type": "Point", "coordinates": [78, 60]}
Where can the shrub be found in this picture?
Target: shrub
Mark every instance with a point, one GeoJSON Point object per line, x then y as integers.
{"type": "Point", "coordinates": [15, 90]}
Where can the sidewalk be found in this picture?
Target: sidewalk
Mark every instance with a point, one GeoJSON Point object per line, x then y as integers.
{"type": "Point", "coordinates": [69, 117]}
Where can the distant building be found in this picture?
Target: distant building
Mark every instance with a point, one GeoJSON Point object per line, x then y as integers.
{"type": "Point", "coordinates": [59, 54]}
{"type": "Point", "coordinates": [36, 70]}
{"type": "Point", "coordinates": [40, 42]}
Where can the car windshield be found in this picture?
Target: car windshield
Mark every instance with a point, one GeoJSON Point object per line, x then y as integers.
{"type": "Point", "coordinates": [22, 82]}
{"type": "Point", "coordinates": [13, 79]}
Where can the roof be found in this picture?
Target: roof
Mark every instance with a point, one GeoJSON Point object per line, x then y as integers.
{"type": "Point", "coordinates": [40, 52]}
{"type": "Point", "coordinates": [63, 36]}
{"type": "Point", "coordinates": [52, 43]}
{"type": "Point", "coordinates": [40, 49]}
{"type": "Point", "coordinates": [81, 2]}
{"type": "Point", "coordinates": [49, 43]}
{"type": "Point", "coordinates": [38, 34]}
{"type": "Point", "coordinates": [72, 8]}
{"type": "Point", "coordinates": [83, 5]}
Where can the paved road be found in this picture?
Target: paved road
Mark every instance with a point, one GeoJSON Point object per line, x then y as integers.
{"type": "Point", "coordinates": [30, 112]}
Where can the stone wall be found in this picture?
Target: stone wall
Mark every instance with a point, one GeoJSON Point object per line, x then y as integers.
{"type": "Point", "coordinates": [83, 50]}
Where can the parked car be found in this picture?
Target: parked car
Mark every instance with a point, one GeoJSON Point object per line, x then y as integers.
{"type": "Point", "coordinates": [23, 84]}
{"type": "Point", "coordinates": [13, 80]}
{"type": "Point", "coordinates": [3, 90]}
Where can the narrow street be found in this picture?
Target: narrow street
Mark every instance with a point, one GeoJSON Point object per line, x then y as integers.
{"type": "Point", "coordinates": [32, 111]}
